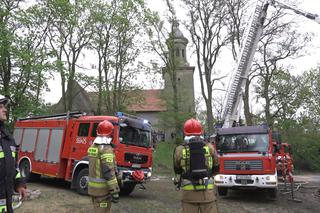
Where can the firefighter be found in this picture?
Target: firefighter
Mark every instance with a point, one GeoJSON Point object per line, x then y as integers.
{"type": "Point", "coordinates": [103, 184]}
{"type": "Point", "coordinates": [10, 177]}
{"type": "Point", "coordinates": [195, 161]}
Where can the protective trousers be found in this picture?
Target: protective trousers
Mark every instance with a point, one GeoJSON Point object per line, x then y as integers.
{"type": "Point", "coordinates": [199, 207]}
{"type": "Point", "coordinates": [203, 201]}
{"type": "Point", "coordinates": [102, 204]}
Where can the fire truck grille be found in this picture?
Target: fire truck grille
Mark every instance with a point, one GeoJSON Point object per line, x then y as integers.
{"type": "Point", "coordinates": [135, 158]}
{"type": "Point", "coordinates": [243, 165]}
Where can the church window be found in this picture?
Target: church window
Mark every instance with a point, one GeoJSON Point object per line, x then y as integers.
{"type": "Point", "coordinates": [183, 53]}
{"type": "Point", "coordinates": [177, 52]}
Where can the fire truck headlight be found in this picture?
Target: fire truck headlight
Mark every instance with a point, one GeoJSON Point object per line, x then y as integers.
{"type": "Point", "coordinates": [271, 178]}
{"type": "Point", "coordinates": [149, 174]}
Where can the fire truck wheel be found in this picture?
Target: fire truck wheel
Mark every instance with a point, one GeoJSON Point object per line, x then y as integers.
{"type": "Point", "coordinates": [25, 169]}
{"type": "Point", "coordinates": [82, 182]}
{"type": "Point", "coordinates": [273, 193]}
{"type": "Point", "coordinates": [222, 191]}
{"type": "Point", "coordinates": [127, 188]}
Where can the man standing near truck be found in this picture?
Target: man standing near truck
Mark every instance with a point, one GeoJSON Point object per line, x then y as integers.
{"type": "Point", "coordinates": [10, 177]}
{"type": "Point", "coordinates": [195, 161]}
{"type": "Point", "coordinates": [103, 184]}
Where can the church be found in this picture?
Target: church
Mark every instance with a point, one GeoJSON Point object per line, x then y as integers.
{"type": "Point", "coordinates": [153, 103]}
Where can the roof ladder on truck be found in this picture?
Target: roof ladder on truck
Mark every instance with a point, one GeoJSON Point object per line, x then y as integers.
{"type": "Point", "coordinates": [240, 73]}
{"type": "Point", "coordinates": [66, 115]}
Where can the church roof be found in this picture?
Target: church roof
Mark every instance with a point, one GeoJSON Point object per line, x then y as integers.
{"type": "Point", "coordinates": [151, 102]}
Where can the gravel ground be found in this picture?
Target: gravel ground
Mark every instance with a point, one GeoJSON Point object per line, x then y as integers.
{"type": "Point", "coordinates": [160, 196]}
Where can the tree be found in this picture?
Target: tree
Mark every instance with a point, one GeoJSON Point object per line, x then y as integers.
{"type": "Point", "coordinates": [279, 41]}
{"type": "Point", "coordinates": [23, 58]}
{"type": "Point", "coordinates": [208, 28]}
{"type": "Point", "coordinates": [70, 31]}
{"type": "Point", "coordinates": [116, 42]}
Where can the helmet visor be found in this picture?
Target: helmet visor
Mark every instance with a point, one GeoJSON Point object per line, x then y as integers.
{"type": "Point", "coordinates": [5, 101]}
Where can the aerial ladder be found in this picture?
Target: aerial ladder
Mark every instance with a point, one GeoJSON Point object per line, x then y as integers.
{"type": "Point", "coordinates": [234, 96]}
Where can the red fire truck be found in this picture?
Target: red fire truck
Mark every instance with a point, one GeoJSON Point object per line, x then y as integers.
{"type": "Point", "coordinates": [247, 159]}
{"type": "Point", "coordinates": [246, 153]}
{"type": "Point", "coordinates": [57, 145]}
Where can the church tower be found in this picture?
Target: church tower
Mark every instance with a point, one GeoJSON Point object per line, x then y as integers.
{"type": "Point", "coordinates": [184, 73]}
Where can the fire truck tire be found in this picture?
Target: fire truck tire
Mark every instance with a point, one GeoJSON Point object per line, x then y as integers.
{"type": "Point", "coordinates": [273, 193]}
{"type": "Point", "coordinates": [24, 167]}
{"type": "Point", "coordinates": [222, 191]}
{"type": "Point", "coordinates": [82, 181]}
{"type": "Point", "coordinates": [127, 188]}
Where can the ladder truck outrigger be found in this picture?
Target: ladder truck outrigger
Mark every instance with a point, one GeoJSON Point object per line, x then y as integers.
{"type": "Point", "coordinates": [247, 154]}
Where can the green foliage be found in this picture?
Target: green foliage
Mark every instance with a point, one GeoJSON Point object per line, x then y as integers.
{"type": "Point", "coordinates": [163, 158]}
{"type": "Point", "coordinates": [306, 149]}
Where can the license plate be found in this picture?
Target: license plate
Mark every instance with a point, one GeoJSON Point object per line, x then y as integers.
{"type": "Point", "coordinates": [135, 165]}
{"type": "Point", "coordinates": [243, 177]}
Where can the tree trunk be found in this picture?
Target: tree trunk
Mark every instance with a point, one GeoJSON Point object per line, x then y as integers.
{"type": "Point", "coordinates": [246, 106]}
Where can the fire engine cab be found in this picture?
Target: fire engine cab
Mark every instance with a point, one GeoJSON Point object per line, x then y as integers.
{"type": "Point", "coordinates": [56, 146]}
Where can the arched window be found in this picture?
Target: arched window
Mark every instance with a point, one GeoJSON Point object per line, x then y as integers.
{"type": "Point", "coordinates": [177, 52]}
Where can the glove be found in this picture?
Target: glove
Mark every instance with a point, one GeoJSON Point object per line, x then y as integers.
{"type": "Point", "coordinates": [115, 198]}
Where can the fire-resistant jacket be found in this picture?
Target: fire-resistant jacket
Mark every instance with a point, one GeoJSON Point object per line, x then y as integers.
{"type": "Point", "coordinates": [201, 191]}
{"type": "Point", "coordinates": [102, 165]}
{"type": "Point", "coordinates": [10, 177]}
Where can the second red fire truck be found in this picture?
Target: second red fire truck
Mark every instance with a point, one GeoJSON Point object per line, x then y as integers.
{"type": "Point", "coordinates": [57, 145]}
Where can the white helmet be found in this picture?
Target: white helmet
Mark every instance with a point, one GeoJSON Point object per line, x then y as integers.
{"type": "Point", "coordinates": [4, 100]}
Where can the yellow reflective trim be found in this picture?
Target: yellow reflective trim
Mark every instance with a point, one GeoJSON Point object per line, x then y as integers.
{"type": "Point", "coordinates": [197, 187]}
{"type": "Point", "coordinates": [3, 208]}
{"type": "Point", "coordinates": [185, 153]}
{"type": "Point", "coordinates": [98, 184]}
{"type": "Point", "coordinates": [210, 162]}
{"type": "Point", "coordinates": [18, 175]}
{"type": "Point", "coordinates": [93, 152]}
{"type": "Point", "coordinates": [108, 157]}
{"type": "Point", "coordinates": [98, 169]}
{"type": "Point", "coordinates": [103, 205]}
{"type": "Point", "coordinates": [207, 150]}
{"type": "Point", "coordinates": [12, 153]}
{"type": "Point", "coordinates": [113, 181]}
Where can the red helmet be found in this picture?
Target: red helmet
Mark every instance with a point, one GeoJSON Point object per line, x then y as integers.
{"type": "Point", "coordinates": [192, 127]}
{"type": "Point", "coordinates": [138, 175]}
{"type": "Point", "coordinates": [105, 128]}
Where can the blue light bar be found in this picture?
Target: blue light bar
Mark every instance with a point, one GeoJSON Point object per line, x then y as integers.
{"type": "Point", "coordinates": [119, 114]}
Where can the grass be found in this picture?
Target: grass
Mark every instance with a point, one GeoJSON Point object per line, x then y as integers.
{"type": "Point", "coordinates": [163, 158]}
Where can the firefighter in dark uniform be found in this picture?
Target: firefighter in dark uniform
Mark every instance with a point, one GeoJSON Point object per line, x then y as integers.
{"type": "Point", "coordinates": [195, 161]}
{"type": "Point", "coordinates": [103, 184]}
{"type": "Point", "coordinates": [10, 177]}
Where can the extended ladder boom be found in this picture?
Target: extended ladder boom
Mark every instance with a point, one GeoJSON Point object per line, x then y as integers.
{"type": "Point", "coordinates": [240, 74]}
{"type": "Point", "coordinates": [236, 86]}
{"type": "Point", "coordinates": [312, 16]}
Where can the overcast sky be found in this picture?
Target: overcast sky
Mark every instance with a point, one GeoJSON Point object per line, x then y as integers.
{"type": "Point", "coordinates": [304, 63]}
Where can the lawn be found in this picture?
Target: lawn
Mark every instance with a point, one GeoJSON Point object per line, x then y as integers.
{"type": "Point", "coordinates": [163, 158]}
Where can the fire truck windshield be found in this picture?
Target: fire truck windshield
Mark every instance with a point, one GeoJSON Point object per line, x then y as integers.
{"type": "Point", "coordinates": [243, 143]}
{"type": "Point", "coordinates": [135, 136]}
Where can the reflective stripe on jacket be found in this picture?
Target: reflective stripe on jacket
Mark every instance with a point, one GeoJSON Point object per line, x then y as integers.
{"type": "Point", "coordinates": [10, 177]}
{"type": "Point", "coordinates": [182, 165]}
{"type": "Point", "coordinates": [102, 165]}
